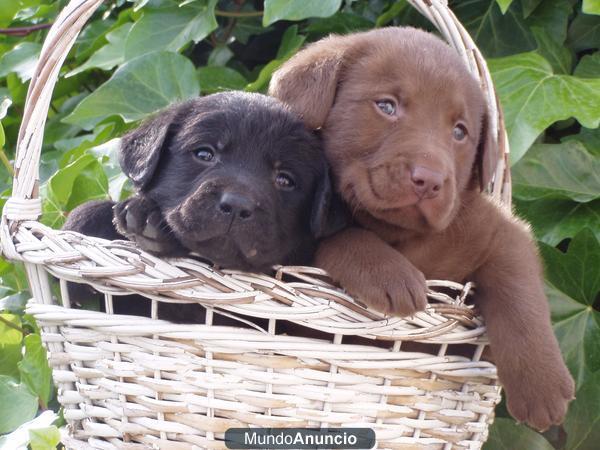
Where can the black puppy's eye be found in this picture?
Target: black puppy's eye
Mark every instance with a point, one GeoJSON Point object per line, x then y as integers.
{"type": "Point", "coordinates": [205, 153]}
{"type": "Point", "coordinates": [284, 180]}
{"type": "Point", "coordinates": [459, 132]}
{"type": "Point", "coordinates": [386, 106]}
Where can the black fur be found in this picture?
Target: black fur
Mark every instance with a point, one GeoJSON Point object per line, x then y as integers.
{"type": "Point", "coordinates": [178, 208]}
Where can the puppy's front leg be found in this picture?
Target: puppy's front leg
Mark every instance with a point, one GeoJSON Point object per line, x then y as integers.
{"type": "Point", "coordinates": [141, 220]}
{"type": "Point", "coordinates": [368, 268]}
{"type": "Point", "coordinates": [510, 295]}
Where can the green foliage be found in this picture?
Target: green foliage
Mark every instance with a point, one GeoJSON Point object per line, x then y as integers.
{"type": "Point", "coordinates": [533, 98]}
{"type": "Point", "coordinates": [565, 170]}
{"type": "Point", "coordinates": [583, 432]}
{"type": "Point", "coordinates": [44, 438]}
{"type": "Point", "coordinates": [34, 369]}
{"type": "Point", "coordinates": [135, 57]}
{"type": "Point", "coordinates": [298, 9]}
{"type": "Point", "coordinates": [18, 405]}
{"type": "Point", "coordinates": [138, 88]}
{"type": "Point", "coordinates": [508, 435]}
{"type": "Point", "coordinates": [20, 60]}
{"type": "Point", "coordinates": [573, 285]}
{"type": "Point", "coordinates": [170, 28]}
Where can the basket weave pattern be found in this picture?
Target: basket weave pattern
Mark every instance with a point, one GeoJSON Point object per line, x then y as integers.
{"type": "Point", "coordinates": [133, 382]}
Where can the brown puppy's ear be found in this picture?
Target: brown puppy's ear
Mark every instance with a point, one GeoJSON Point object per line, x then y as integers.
{"type": "Point", "coordinates": [308, 81]}
{"type": "Point", "coordinates": [487, 154]}
{"type": "Point", "coordinates": [329, 213]}
{"type": "Point", "coordinates": [141, 148]}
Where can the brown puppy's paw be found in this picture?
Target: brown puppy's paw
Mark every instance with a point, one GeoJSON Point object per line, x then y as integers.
{"type": "Point", "coordinates": [541, 400]}
{"type": "Point", "coordinates": [141, 221]}
{"type": "Point", "coordinates": [394, 289]}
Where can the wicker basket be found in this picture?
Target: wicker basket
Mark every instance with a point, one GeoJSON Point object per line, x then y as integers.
{"type": "Point", "coordinates": [130, 382]}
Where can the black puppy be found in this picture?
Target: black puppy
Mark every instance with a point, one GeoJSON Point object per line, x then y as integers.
{"type": "Point", "coordinates": [233, 177]}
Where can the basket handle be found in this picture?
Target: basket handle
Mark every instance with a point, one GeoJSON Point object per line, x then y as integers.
{"type": "Point", "coordinates": [25, 204]}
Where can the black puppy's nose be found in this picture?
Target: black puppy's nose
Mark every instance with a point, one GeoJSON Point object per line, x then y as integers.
{"type": "Point", "coordinates": [427, 183]}
{"type": "Point", "coordinates": [236, 205]}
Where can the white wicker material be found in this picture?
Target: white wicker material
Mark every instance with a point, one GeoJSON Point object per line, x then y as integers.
{"type": "Point", "coordinates": [129, 382]}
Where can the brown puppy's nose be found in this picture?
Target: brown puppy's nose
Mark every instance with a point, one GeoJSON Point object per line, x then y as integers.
{"type": "Point", "coordinates": [237, 205]}
{"type": "Point", "coordinates": [427, 183]}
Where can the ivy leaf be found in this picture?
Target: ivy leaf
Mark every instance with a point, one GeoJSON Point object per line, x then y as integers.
{"type": "Point", "coordinates": [18, 404]}
{"type": "Point", "coordinates": [20, 438]}
{"type": "Point", "coordinates": [298, 9]}
{"type": "Point", "coordinates": [220, 78]}
{"type": "Point", "coordinates": [506, 434]}
{"type": "Point", "coordinates": [554, 52]}
{"type": "Point", "coordinates": [109, 56]}
{"type": "Point", "coordinates": [44, 438]}
{"type": "Point", "coordinates": [34, 369]}
{"type": "Point", "coordinates": [556, 220]}
{"type": "Point", "coordinates": [81, 180]}
{"type": "Point", "coordinates": [583, 421]}
{"type": "Point", "coordinates": [565, 170]}
{"type": "Point", "coordinates": [591, 7]}
{"type": "Point", "coordinates": [219, 56]}
{"type": "Point", "coordinates": [589, 66]}
{"type": "Point", "coordinates": [21, 60]}
{"type": "Point", "coordinates": [138, 88]}
{"type": "Point", "coordinates": [10, 8]}
{"type": "Point", "coordinates": [171, 28]}
{"type": "Point", "coordinates": [291, 41]}
{"type": "Point", "coordinates": [91, 38]}
{"type": "Point", "coordinates": [495, 33]}
{"type": "Point", "coordinates": [584, 32]}
{"type": "Point", "coordinates": [529, 6]}
{"type": "Point", "coordinates": [504, 4]}
{"type": "Point", "coordinates": [5, 103]}
{"type": "Point", "coordinates": [108, 154]}
{"type": "Point", "coordinates": [533, 98]}
{"type": "Point", "coordinates": [10, 345]}
{"type": "Point", "coordinates": [14, 303]}
{"type": "Point", "coordinates": [552, 16]}
{"type": "Point", "coordinates": [573, 286]}
{"type": "Point", "coordinates": [342, 23]}
{"type": "Point", "coordinates": [576, 272]}
{"type": "Point", "coordinates": [589, 138]}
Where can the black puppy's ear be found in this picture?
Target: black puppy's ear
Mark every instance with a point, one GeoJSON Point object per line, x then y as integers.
{"type": "Point", "coordinates": [329, 213]}
{"type": "Point", "coordinates": [141, 148]}
{"type": "Point", "coordinates": [308, 81]}
{"type": "Point", "coordinates": [487, 154]}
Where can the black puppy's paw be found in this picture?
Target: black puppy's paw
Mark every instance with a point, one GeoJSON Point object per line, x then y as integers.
{"type": "Point", "coordinates": [141, 221]}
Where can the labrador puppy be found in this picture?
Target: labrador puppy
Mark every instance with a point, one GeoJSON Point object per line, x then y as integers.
{"type": "Point", "coordinates": [233, 178]}
{"type": "Point", "coordinates": [405, 129]}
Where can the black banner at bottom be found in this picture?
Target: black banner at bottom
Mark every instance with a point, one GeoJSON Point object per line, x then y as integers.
{"type": "Point", "coordinates": [300, 438]}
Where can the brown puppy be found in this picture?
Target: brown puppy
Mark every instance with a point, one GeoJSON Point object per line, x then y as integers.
{"type": "Point", "coordinates": [404, 126]}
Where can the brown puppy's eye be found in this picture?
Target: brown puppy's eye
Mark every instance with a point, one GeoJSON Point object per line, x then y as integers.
{"type": "Point", "coordinates": [387, 107]}
{"type": "Point", "coordinates": [459, 132]}
{"type": "Point", "coordinates": [205, 153]}
{"type": "Point", "coordinates": [284, 180]}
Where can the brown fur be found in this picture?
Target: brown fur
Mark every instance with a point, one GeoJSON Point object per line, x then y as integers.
{"type": "Point", "coordinates": [456, 233]}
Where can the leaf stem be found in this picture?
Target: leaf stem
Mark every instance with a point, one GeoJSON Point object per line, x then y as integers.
{"type": "Point", "coordinates": [5, 161]}
{"type": "Point", "coordinates": [9, 324]}
{"type": "Point", "coordinates": [24, 31]}
{"type": "Point", "coordinates": [238, 14]}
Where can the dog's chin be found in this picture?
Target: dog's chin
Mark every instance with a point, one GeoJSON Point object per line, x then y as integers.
{"type": "Point", "coordinates": [411, 212]}
{"type": "Point", "coordinates": [228, 252]}
{"type": "Point", "coordinates": [222, 246]}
